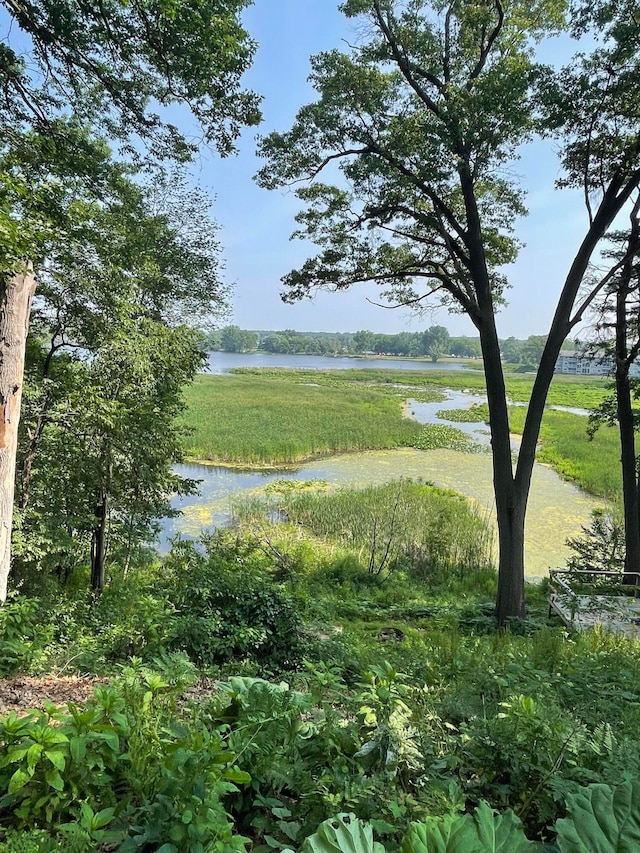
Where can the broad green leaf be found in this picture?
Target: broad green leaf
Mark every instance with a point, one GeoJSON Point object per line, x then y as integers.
{"type": "Point", "coordinates": [601, 819]}
{"type": "Point", "coordinates": [102, 818]}
{"type": "Point", "coordinates": [54, 779]}
{"type": "Point", "coordinates": [57, 758]}
{"type": "Point", "coordinates": [18, 781]}
{"type": "Point", "coordinates": [344, 833]}
{"type": "Point", "coordinates": [238, 776]}
{"type": "Point", "coordinates": [483, 832]}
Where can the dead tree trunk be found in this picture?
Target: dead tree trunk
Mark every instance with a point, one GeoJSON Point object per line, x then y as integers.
{"type": "Point", "coordinates": [16, 294]}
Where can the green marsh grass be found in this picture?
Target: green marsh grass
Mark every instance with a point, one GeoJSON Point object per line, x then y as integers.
{"type": "Point", "coordinates": [478, 413]}
{"type": "Point", "coordinates": [593, 464]}
{"type": "Point", "coordinates": [269, 417]}
{"type": "Point", "coordinates": [271, 420]}
{"type": "Point", "coordinates": [404, 525]}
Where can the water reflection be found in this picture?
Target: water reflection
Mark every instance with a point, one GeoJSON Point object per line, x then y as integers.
{"type": "Point", "coordinates": [223, 362]}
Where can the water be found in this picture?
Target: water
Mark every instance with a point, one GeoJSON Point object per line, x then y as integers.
{"type": "Point", "coordinates": [426, 413]}
{"type": "Point", "coordinates": [557, 509]}
{"type": "Point", "coordinates": [223, 362]}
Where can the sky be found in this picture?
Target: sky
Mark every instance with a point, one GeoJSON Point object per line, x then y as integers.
{"type": "Point", "coordinates": [256, 224]}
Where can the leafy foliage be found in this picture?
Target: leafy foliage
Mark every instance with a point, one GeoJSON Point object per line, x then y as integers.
{"type": "Point", "coordinates": [601, 546]}
{"type": "Point", "coordinates": [229, 612]}
{"type": "Point", "coordinates": [342, 834]}
{"type": "Point", "coordinates": [601, 818]}
{"type": "Point", "coordinates": [483, 832]}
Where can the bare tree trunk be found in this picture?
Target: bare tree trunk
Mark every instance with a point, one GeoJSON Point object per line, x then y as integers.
{"type": "Point", "coordinates": [15, 307]}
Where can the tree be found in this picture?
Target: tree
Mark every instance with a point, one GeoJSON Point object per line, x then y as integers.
{"type": "Point", "coordinates": [110, 63]}
{"type": "Point", "coordinates": [512, 350]}
{"type": "Point", "coordinates": [364, 341]}
{"type": "Point", "coordinates": [618, 335]}
{"type": "Point", "coordinates": [106, 366]}
{"type": "Point", "coordinates": [464, 347]}
{"type": "Point", "coordinates": [532, 349]}
{"type": "Point", "coordinates": [235, 339]}
{"type": "Point", "coordinates": [436, 342]}
{"type": "Point", "coordinates": [422, 119]}
{"type": "Point", "coordinates": [105, 66]}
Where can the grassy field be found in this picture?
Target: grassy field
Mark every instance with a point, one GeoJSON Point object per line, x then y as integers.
{"type": "Point", "coordinates": [594, 465]}
{"type": "Point", "coordinates": [268, 420]}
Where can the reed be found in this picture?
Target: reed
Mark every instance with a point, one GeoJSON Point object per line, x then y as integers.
{"type": "Point", "coordinates": [270, 420]}
{"type": "Point", "coordinates": [407, 525]}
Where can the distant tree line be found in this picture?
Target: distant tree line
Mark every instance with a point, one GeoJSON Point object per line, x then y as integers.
{"type": "Point", "coordinates": [434, 343]}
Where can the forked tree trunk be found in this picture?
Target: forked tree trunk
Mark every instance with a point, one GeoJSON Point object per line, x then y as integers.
{"type": "Point", "coordinates": [510, 506]}
{"type": "Point", "coordinates": [16, 294]}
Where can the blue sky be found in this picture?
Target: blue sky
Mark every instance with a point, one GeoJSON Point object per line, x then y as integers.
{"type": "Point", "coordinates": [256, 224]}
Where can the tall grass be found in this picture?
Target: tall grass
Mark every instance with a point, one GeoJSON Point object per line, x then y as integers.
{"type": "Point", "coordinates": [265, 420]}
{"type": "Point", "coordinates": [583, 392]}
{"type": "Point", "coordinates": [398, 525]}
{"type": "Point", "coordinates": [594, 465]}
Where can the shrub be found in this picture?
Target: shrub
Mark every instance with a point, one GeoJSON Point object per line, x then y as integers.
{"type": "Point", "coordinates": [228, 609]}
{"type": "Point", "coordinates": [17, 632]}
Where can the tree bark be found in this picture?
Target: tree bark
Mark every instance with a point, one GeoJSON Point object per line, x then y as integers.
{"type": "Point", "coordinates": [629, 474]}
{"type": "Point", "coordinates": [626, 425]}
{"type": "Point", "coordinates": [16, 294]}
{"type": "Point", "coordinates": [510, 506]}
{"type": "Point", "coordinates": [99, 545]}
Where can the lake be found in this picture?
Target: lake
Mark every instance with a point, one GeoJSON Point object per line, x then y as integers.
{"type": "Point", "coordinates": [223, 362]}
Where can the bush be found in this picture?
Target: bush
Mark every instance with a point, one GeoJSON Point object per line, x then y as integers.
{"type": "Point", "coordinates": [229, 609]}
{"type": "Point", "coordinates": [17, 632]}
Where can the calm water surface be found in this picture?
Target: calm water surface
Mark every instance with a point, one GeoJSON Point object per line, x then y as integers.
{"type": "Point", "coordinates": [222, 362]}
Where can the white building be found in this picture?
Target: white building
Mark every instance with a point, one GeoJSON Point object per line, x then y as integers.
{"type": "Point", "coordinates": [589, 364]}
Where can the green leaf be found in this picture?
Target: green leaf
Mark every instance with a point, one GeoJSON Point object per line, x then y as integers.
{"type": "Point", "coordinates": [483, 832]}
{"type": "Point", "coordinates": [57, 758]}
{"type": "Point", "coordinates": [237, 776]}
{"type": "Point", "coordinates": [102, 818]}
{"type": "Point", "coordinates": [602, 819]}
{"type": "Point", "coordinates": [78, 747]}
{"type": "Point", "coordinates": [54, 779]}
{"type": "Point", "coordinates": [344, 833]}
{"type": "Point", "coordinates": [33, 756]}
{"type": "Point", "coordinates": [18, 781]}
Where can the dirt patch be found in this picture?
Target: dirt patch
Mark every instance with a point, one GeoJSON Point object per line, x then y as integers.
{"type": "Point", "coordinates": [22, 692]}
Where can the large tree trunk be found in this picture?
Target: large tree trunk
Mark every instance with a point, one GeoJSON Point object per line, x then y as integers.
{"type": "Point", "coordinates": [629, 474]}
{"type": "Point", "coordinates": [623, 360]}
{"type": "Point", "coordinates": [16, 294]}
{"type": "Point", "coordinates": [510, 510]}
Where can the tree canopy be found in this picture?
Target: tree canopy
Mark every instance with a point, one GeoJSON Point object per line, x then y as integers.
{"type": "Point", "coordinates": [118, 65]}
